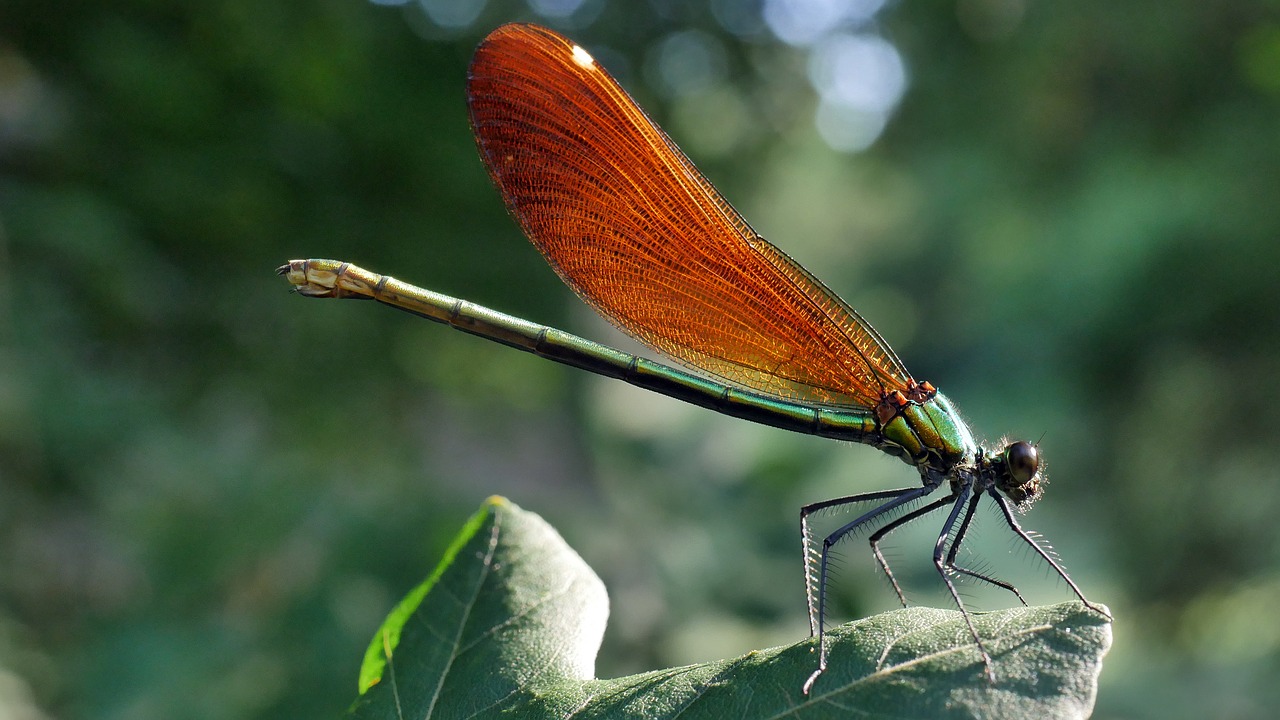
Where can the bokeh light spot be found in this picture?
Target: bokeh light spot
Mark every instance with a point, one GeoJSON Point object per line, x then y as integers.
{"type": "Point", "coordinates": [687, 62]}
{"type": "Point", "coordinates": [555, 8]}
{"type": "Point", "coordinates": [861, 79]}
{"type": "Point", "coordinates": [803, 22]}
{"type": "Point", "coordinates": [451, 13]}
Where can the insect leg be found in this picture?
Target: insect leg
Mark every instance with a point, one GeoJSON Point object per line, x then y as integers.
{"type": "Point", "coordinates": [955, 548]}
{"type": "Point", "coordinates": [964, 492]}
{"type": "Point", "coordinates": [816, 590]}
{"type": "Point", "coordinates": [1003, 504]}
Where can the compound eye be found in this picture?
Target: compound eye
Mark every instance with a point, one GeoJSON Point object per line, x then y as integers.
{"type": "Point", "coordinates": [1023, 461]}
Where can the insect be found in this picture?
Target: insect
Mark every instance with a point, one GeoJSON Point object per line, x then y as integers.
{"type": "Point", "coordinates": [630, 224]}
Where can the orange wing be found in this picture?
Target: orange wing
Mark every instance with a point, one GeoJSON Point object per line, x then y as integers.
{"type": "Point", "coordinates": [634, 228]}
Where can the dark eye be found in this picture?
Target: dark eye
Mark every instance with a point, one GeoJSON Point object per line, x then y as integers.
{"type": "Point", "coordinates": [1023, 460]}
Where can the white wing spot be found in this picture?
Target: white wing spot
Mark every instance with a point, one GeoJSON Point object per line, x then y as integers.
{"type": "Point", "coordinates": [582, 57]}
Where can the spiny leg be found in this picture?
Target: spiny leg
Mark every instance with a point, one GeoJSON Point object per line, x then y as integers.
{"type": "Point", "coordinates": [903, 497]}
{"type": "Point", "coordinates": [955, 548]}
{"type": "Point", "coordinates": [894, 524]}
{"type": "Point", "coordinates": [1017, 530]}
{"type": "Point", "coordinates": [807, 543]}
{"type": "Point", "coordinates": [817, 605]}
{"type": "Point", "coordinates": [939, 561]}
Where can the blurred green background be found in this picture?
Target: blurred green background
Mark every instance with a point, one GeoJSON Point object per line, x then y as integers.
{"type": "Point", "coordinates": [211, 490]}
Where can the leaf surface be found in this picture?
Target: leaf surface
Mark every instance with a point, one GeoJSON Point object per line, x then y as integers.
{"type": "Point", "coordinates": [511, 620]}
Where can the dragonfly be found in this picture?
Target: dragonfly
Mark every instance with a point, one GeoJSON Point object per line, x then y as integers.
{"type": "Point", "coordinates": [638, 232]}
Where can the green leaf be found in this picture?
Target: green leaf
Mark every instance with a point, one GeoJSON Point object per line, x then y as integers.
{"type": "Point", "coordinates": [511, 620]}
